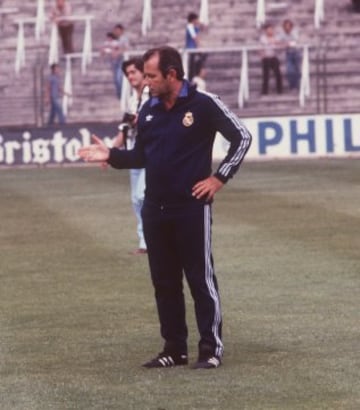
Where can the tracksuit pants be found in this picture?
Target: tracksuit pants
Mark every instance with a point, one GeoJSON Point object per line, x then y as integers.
{"type": "Point", "coordinates": [178, 239]}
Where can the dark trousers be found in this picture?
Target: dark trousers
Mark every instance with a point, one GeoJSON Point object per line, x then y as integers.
{"type": "Point", "coordinates": [196, 62]}
{"type": "Point", "coordinates": [271, 64]}
{"type": "Point", "coordinates": [293, 68]}
{"type": "Point", "coordinates": [179, 243]}
{"type": "Point", "coordinates": [66, 35]}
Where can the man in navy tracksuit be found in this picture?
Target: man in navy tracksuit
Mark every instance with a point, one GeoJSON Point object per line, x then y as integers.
{"type": "Point", "coordinates": [176, 131]}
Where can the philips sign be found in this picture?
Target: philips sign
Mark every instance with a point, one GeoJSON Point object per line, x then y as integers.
{"type": "Point", "coordinates": [302, 136]}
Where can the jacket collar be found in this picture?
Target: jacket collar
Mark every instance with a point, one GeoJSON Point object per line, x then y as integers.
{"type": "Point", "coordinates": [185, 90]}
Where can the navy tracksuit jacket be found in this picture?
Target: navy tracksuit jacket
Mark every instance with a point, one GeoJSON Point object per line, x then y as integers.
{"type": "Point", "coordinates": [175, 148]}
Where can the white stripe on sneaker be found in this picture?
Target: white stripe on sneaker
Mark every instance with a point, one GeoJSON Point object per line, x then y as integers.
{"type": "Point", "coordinates": [214, 361]}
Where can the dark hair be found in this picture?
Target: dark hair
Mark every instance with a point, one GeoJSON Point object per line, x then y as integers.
{"type": "Point", "coordinates": [135, 61]}
{"type": "Point", "coordinates": [119, 26]}
{"type": "Point", "coordinates": [53, 67]}
{"type": "Point", "coordinates": [288, 21]}
{"type": "Point", "coordinates": [169, 58]}
{"type": "Point", "coordinates": [267, 25]}
{"type": "Point", "coordinates": [110, 34]}
{"type": "Point", "coordinates": [191, 17]}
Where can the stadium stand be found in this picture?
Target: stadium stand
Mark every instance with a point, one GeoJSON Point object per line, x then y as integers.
{"type": "Point", "coordinates": [334, 56]}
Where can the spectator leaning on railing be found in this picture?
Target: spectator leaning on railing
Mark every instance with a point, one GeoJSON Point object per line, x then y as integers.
{"type": "Point", "coordinates": [289, 37]}
{"type": "Point", "coordinates": [270, 61]}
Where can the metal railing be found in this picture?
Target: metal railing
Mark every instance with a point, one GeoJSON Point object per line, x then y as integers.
{"type": "Point", "coordinates": [244, 72]}
{"type": "Point", "coordinates": [316, 88]}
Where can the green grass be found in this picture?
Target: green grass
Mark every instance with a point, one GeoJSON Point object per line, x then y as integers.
{"type": "Point", "coordinates": [77, 314]}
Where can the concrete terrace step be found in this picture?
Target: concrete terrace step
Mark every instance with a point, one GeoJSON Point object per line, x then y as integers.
{"type": "Point", "coordinates": [232, 22]}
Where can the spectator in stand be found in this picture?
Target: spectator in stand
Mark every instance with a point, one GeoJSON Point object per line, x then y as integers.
{"type": "Point", "coordinates": [270, 61]}
{"type": "Point", "coordinates": [108, 44]}
{"type": "Point", "coordinates": [59, 15]}
{"type": "Point", "coordinates": [118, 47]}
{"type": "Point", "coordinates": [199, 79]}
{"type": "Point", "coordinates": [192, 41]}
{"type": "Point", "coordinates": [289, 37]}
{"type": "Point", "coordinates": [53, 93]}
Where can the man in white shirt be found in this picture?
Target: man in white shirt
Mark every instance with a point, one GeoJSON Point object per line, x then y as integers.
{"type": "Point", "coordinates": [133, 70]}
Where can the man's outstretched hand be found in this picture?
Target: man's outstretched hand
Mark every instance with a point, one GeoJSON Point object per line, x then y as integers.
{"type": "Point", "coordinates": [97, 152]}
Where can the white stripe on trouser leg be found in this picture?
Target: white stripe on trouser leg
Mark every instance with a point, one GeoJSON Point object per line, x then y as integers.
{"type": "Point", "coordinates": [209, 277]}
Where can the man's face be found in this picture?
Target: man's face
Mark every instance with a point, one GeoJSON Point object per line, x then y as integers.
{"type": "Point", "coordinates": [134, 76]}
{"type": "Point", "coordinates": [158, 85]}
{"type": "Point", "coordinates": [270, 31]}
{"type": "Point", "coordinates": [118, 32]}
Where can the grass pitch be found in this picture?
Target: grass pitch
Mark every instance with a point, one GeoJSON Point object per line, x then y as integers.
{"type": "Point", "coordinates": [77, 313]}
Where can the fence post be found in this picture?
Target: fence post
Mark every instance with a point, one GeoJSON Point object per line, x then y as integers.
{"type": "Point", "coordinates": [204, 12]}
{"type": "Point", "coordinates": [305, 77]}
{"type": "Point", "coordinates": [67, 97]}
{"type": "Point", "coordinates": [185, 59]}
{"type": "Point", "coordinates": [20, 48]}
{"type": "Point", "coordinates": [40, 19]}
{"type": "Point", "coordinates": [146, 17]}
{"type": "Point", "coordinates": [260, 13]}
{"type": "Point", "coordinates": [86, 57]}
{"type": "Point", "coordinates": [244, 79]}
{"type": "Point", "coordinates": [319, 13]}
{"type": "Point", "coordinates": [54, 47]}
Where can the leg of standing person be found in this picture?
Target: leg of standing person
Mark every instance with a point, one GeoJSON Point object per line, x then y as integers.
{"type": "Point", "coordinates": [137, 186]}
{"type": "Point", "coordinates": [265, 75]}
{"type": "Point", "coordinates": [52, 112]}
{"type": "Point", "coordinates": [59, 111]}
{"type": "Point", "coordinates": [289, 69]}
{"type": "Point", "coordinates": [194, 246]}
{"type": "Point", "coordinates": [192, 62]}
{"type": "Point", "coordinates": [167, 277]}
{"type": "Point", "coordinates": [292, 69]}
{"type": "Point", "coordinates": [275, 64]}
{"type": "Point", "coordinates": [179, 238]}
{"type": "Point", "coordinates": [199, 61]}
{"type": "Point", "coordinates": [117, 76]}
{"type": "Point", "coordinates": [297, 69]}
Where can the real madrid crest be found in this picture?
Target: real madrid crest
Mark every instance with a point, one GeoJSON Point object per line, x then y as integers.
{"type": "Point", "coordinates": [188, 119]}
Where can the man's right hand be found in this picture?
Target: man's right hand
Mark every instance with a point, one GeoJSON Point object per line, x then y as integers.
{"type": "Point", "coordinates": [97, 152]}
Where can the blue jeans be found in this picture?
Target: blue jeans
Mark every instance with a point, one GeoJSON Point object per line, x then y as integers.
{"type": "Point", "coordinates": [293, 68]}
{"type": "Point", "coordinates": [117, 75]}
{"type": "Point", "coordinates": [56, 111]}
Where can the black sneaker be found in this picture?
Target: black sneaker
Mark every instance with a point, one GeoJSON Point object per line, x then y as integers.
{"type": "Point", "coordinates": [210, 362]}
{"type": "Point", "coordinates": [164, 359]}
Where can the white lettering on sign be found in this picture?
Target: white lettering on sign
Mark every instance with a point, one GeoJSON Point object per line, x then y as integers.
{"type": "Point", "coordinates": [301, 136]}
{"type": "Point", "coordinates": [40, 151]}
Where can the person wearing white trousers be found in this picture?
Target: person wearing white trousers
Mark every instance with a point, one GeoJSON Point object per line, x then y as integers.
{"type": "Point", "coordinates": [137, 186]}
{"type": "Point", "coordinates": [133, 70]}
